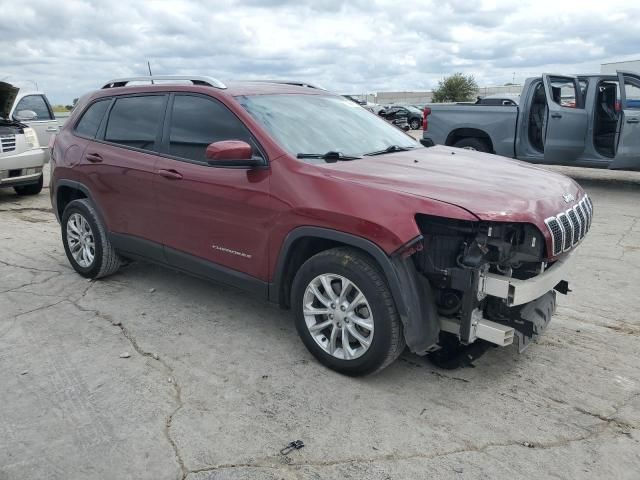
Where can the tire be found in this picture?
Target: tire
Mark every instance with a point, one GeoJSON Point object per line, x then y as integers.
{"type": "Point", "coordinates": [105, 260]}
{"type": "Point", "coordinates": [384, 331]}
{"type": "Point", "coordinates": [472, 143]}
{"type": "Point", "coordinates": [415, 124]}
{"type": "Point", "coordinates": [33, 189]}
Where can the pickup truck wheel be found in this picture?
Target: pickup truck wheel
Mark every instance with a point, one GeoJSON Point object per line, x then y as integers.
{"type": "Point", "coordinates": [345, 314]}
{"type": "Point", "coordinates": [472, 143]}
{"type": "Point", "coordinates": [33, 189]}
{"type": "Point", "coordinates": [85, 241]}
{"type": "Point", "coordinates": [415, 124]}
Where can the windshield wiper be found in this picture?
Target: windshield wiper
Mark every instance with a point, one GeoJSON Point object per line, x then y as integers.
{"type": "Point", "coordinates": [389, 149]}
{"type": "Point", "coordinates": [330, 156]}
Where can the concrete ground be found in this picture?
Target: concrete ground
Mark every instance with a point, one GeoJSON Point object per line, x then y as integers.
{"type": "Point", "coordinates": [215, 383]}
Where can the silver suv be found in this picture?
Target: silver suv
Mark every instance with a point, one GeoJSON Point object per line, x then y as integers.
{"type": "Point", "coordinates": [21, 157]}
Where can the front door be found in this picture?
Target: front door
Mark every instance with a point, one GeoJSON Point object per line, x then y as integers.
{"type": "Point", "coordinates": [627, 155]}
{"type": "Point", "coordinates": [565, 126]}
{"type": "Point", "coordinates": [215, 220]}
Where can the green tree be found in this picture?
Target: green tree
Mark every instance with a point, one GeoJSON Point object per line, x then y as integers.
{"type": "Point", "coordinates": [456, 88]}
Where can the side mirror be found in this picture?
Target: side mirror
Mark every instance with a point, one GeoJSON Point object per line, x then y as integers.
{"type": "Point", "coordinates": [231, 153]}
{"type": "Point", "coordinates": [25, 115]}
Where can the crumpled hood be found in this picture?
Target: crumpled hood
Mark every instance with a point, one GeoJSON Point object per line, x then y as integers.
{"type": "Point", "coordinates": [8, 95]}
{"type": "Point", "coordinates": [491, 187]}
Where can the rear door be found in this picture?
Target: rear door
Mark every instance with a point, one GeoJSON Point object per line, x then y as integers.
{"type": "Point", "coordinates": [120, 166]}
{"type": "Point", "coordinates": [45, 123]}
{"type": "Point", "coordinates": [566, 123]}
{"type": "Point", "coordinates": [627, 155]}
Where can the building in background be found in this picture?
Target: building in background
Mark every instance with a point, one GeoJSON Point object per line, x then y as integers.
{"type": "Point", "coordinates": [627, 66]}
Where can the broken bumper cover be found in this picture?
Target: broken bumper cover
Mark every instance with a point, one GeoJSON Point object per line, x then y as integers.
{"type": "Point", "coordinates": [518, 292]}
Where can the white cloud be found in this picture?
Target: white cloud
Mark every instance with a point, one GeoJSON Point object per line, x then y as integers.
{"type": "Point", "coordinates": [358, 46]}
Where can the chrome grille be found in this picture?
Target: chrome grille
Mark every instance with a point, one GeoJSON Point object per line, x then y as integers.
{"type": "Point", "coordinates": [568, 228]}
{"type": "Point", "coordinates": [7, 143]}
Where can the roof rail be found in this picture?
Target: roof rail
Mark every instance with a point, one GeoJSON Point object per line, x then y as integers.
{"type": "Point", "coordinates": [295, 83]}
{"type": "Point", "coordinates": [195, 79]}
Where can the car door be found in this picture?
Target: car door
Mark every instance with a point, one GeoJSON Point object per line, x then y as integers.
{"type": "Point", "coordinates": [45, 123]}
{"type": "Point", "coordinates": [566, 121]}
{"type": "Point", "coordinates": [627, 155]}
{"type": "Point", "coordinates": [215, 220]}
{"type": "Point", "coordinates": [119, 168]}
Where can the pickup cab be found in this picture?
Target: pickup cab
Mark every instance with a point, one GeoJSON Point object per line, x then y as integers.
{"type": "Point", "coordinates": [586, 121]}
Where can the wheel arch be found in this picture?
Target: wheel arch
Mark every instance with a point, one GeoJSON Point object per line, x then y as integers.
{"type": "Point", "coordinates": [304, 242]}
{"type": "Point", "coordinates": [410, 291]}
{"type": "Point", "coordinates": [467, 132]}
{"type": "Point", "coordinates": [69, 190]}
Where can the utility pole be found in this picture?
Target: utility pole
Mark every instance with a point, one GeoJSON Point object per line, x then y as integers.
{"type": "Point", "coordinates": [150, 74]}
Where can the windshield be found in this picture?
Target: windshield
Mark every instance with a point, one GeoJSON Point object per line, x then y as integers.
{"type": "Point", "coordinates": [414, 109]}
{"type": "Point", "coordinates": [316, 124]}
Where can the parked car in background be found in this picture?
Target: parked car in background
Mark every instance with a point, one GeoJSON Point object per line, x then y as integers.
{"type": "Point", "coordinates": [21, 156]}
{"type": "Point", "coordinates": [585, 121]}
{"type": "Point", "coordinates": [498, 99]}
{"type": "Point", "coordinates": [33, 109]}
{"type": "Point", "coordinates": [373, 241]}
{"type": "Point", "coordinates": [411, 114]}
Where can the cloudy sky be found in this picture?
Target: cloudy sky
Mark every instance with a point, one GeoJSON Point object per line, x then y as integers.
{"type": "Point", "coordinates": [72, 46]}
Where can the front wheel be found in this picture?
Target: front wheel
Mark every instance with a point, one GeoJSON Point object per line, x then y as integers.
{"type": "Point", "coordinates": [345, 314]}
{"type": "Point", "coordinates": [473, 143]}
{"type": "Point", "coordinates": [33, 189]}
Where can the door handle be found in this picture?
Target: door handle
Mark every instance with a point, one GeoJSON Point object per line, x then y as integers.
{"type": "Point", "coordinates": [633, 120]}
{"type": "Point", "coordinates": [556, 115]}
{"type": "Point", "coordinates": [94, 157]}
{"type": "Point", "coordinates": [170, 174]}
{"type": "Point", "coordinates": [52, 129]}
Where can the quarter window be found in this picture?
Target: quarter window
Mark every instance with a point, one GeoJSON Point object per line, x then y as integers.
{"type": "Point", "coordinates": [37, 104]}
{"type": "Point", "coordinates": [90, 121]}
{"type": "Point", "coordinates": [197, 121]}
{"type": "Point", "coordinates": [135, 121]}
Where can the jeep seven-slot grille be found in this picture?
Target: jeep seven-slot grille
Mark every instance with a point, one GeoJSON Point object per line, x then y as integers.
{"type": "Point", "coordinates": [7, 143]}
{"type": "Point", "coordinates": [568, 228]}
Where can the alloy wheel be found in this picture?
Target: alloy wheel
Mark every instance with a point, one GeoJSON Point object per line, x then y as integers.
{"type": "Point", "coordinates": [338, 316]}
{"type": "Point", "coordinates": [80, 240]}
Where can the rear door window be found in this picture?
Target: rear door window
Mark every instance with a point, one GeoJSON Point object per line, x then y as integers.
{"type": "Point", "coordinates": [91, 119]}
{"type": "Point", "coordinates": [198, 121]}
{"type": "Point", "coordinates": [135, 121]}
{"type": "Point", "coordinates": [37, 104]}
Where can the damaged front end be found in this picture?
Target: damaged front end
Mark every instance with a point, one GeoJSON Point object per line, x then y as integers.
{"type": "Point", "coordinates": [484, 280]}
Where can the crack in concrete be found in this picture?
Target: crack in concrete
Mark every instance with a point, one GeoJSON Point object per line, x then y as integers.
{"type": "Point", "coordinates": [167, 370]}
{"type": "Point", "coordinates": [607, 421]}
{"type": "Point", "coordinates": [35, 269]}
{"type": "Point", "coordinates": [395, 457]}
{"type": "Point", "coordinates": [27, 209]}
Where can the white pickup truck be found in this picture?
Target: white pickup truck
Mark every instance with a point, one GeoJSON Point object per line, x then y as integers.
{"type": "Point", "coordinates": [21, 156]}
{"type": "Point", "coordinates": [585, 121]}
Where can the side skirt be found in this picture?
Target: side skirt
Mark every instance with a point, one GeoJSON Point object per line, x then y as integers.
{"type": "Point", "coordinates": [141, 249]}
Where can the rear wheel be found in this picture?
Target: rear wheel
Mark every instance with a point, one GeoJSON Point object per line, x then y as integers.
{"type": "Point", "coordinates": [86, 242]}
{"type": "Point", "coordinates": [472, 143]}
{"type": "Point", "coordinates": [33, 189]}
{"type": "Point", "coordinates": [415, 124]}
{"type": "Point", "coordinates": [345, 314]}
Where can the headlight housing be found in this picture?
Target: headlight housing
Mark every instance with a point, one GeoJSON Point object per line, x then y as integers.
{"type": "Point", "coordinates": [31, 137]}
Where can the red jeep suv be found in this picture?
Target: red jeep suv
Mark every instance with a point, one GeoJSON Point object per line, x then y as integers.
{"type": "Point", "coordinates": [308, 200]}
